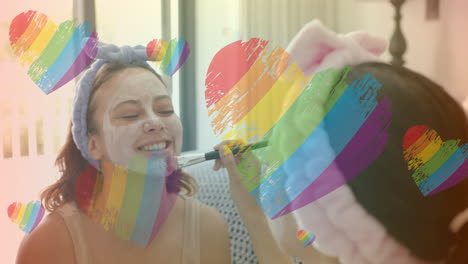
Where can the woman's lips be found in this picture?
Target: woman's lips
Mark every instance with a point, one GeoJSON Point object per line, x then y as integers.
{"type": "Point", "coordinates": [166, 151]}
{"type": "Point", "coordinates": [154, 145]}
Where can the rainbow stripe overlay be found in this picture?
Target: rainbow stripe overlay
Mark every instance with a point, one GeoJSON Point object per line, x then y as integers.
{"type": "Point", "coordinates": [267, 97]}
{"type": "Point", "coordinates": [133, 201]}
{"type": "Point", "coordinates": [27, 217]}
{"type": "Point", "coordinates": [171, 56]}
{"type": "Point", "coordinates": [55, 53]}
{"type": "Point", "coordinates": [305, 237]}
{"type": "Point", "coordinates": [436, 165]}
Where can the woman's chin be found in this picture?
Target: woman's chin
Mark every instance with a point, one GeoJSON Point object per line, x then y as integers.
{"type": "Point", "coordinates": [142, 154]}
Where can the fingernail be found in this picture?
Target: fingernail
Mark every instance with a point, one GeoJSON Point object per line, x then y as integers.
{"type": "Point", "coordinates": [226, 150]}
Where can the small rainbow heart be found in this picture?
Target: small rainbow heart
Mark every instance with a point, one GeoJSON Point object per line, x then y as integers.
{"type": "Point", "coordinates": [54, 53]}
{"type": "Point", "coordinates": [305, 237]}
{"type": "Point", "coordinates": [436, 165]}
{"type": "Point", "coordinates": [171, 56]}
{"type": "Point", "coordinates": [27, 217]}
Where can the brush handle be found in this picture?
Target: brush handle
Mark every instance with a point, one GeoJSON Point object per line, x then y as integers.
{"type": "Point", "coordinates": [239, 149]}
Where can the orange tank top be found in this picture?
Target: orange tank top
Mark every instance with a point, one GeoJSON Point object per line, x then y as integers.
{"type": "Point", "coordinates": [191, 238]}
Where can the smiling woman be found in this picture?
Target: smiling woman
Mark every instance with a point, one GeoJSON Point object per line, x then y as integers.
{"type": "Point", "coordinates": [129, 112]}
{"type": "Point", "coordinates": [121, 198]}
{"type": "Point", "coordinates": [132, 99]}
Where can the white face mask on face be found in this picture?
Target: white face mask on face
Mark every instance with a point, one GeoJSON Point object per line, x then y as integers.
{"type": "Point", "coordinates": [134, 115]}
{"type": "Point", "coordinates": [137, 116]}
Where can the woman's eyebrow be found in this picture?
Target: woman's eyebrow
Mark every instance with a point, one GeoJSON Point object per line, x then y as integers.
{"type": "Point", "coordinates": [134, 102]}
{"type": "Point", "coordinates": [161, 97]}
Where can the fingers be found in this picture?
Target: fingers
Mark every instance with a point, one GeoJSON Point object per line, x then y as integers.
{"type": "Point", "coordinates": [216, 165]}
{"type": "Point", "coordinates": [219, 162]}
{"type": "Point", "coordinates": [224, 142]}
{"type": "Point", "coordinates": [227, 158]}
{"type": "Point", "coordinates": [224, 148]}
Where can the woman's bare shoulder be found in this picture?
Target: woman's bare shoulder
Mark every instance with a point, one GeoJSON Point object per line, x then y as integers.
{"type": "Point", "coordinates": [49, 242]}
{"type": "Point", "coordinates": [214, 237]}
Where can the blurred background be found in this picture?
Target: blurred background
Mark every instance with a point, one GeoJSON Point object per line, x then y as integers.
{"type": "Point", "coordinates": [33, 125]}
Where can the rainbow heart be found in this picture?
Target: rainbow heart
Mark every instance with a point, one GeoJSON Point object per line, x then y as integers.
{"type": "Point", "coordinates": [55, 54]}
{"type": "Point", "coordinates": [27, 217]}
{"type": "Point", "coordinates": [436, 165]}
{"type": "Point", "coordinates": [171, 56]}
{"type": "Point", "coordinates": [254, 93]}
{"type": "Point", "coordinates": [305, 237]}
{"type": "Point", "coordinates": [135, 200]}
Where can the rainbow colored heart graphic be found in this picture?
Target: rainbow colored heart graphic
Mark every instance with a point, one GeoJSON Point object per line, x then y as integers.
{"type": "Point", "coordinates": [171, 56]}
{"type": "Point", "coordinates": [27, 217]}
{"type": "Point", "coordinates": [305, 237]}
{"type": "Point", "coordinates": [436, 165]}
{"type": "Point", "coordinates": [317, 126]}
{"type": "Point", "coordinates": [133, 201]}
{"type": "Point", "coordinates": [54, 53]}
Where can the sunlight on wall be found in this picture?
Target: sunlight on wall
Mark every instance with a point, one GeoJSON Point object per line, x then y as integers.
{"type": "Point", "coordinates": [436, 48]}
{"type": "Point", "coordinates": [32, 125]}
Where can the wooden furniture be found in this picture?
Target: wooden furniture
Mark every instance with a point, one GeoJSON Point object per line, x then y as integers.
{"type": "Point", "coordinates": [398, 41]}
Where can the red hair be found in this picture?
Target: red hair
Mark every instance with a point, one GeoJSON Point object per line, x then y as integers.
{"type": "Point", "coordinates": [71, 163]}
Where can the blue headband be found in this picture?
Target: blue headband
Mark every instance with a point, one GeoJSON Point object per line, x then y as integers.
{"type": "Point", "coordinates": [106, 53]}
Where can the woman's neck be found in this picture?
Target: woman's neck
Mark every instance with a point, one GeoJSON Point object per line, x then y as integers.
{"type": "Point", "coordinates": [132, 203]}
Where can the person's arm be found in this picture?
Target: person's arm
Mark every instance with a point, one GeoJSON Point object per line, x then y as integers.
{"type": "Point", "coordinates": [48, 243]}
{"type": "Point", "coordinates": [214, 237]}
{"type": "Point", "coordinates": [265, 246]}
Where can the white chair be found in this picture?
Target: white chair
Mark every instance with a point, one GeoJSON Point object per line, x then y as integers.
{"type": "Point", "coordinates": [214, 192]}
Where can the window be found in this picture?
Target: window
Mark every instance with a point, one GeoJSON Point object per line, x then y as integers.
{"type": "Point", "coordinates": [136, 23]}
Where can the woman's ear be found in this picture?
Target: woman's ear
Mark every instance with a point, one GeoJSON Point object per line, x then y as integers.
{"type": "Point", "coordinates": [95, 148]}
{"type": "Point", "coordinates": [311, 45]}
{"type": "Point", "coordinates": [465, 106]}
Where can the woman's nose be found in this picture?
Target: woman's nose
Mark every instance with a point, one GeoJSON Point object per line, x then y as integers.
{"type": "Point", "coordinates": [153, 125]}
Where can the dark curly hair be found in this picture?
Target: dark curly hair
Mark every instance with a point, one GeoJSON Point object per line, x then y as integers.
{"type": "Point", "coordinates": [386, 190]}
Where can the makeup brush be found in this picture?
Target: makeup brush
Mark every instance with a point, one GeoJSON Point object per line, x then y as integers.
{"type": "Point", "coordinates": [191, 159]}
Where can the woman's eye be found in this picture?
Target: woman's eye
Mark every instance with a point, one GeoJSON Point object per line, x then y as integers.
{"type": "Point", "coordinates": [167, 112]}
{"type": "Point", "coordinates": [129, 116]}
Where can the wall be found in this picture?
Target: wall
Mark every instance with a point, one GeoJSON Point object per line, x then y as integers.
{"type": "Point", "coordinates": [436, 49]}
{"type": "Point", "coordinates": [217, 25]}
{"type": "Point", "coordinates": [23, 177]}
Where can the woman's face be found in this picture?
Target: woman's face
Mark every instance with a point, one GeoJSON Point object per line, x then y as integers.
{"type": "Point", "coordinates": [134, 113]}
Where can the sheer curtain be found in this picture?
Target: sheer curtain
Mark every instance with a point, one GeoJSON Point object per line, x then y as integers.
{"type": "Point", "coordinates": [278, 21]}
